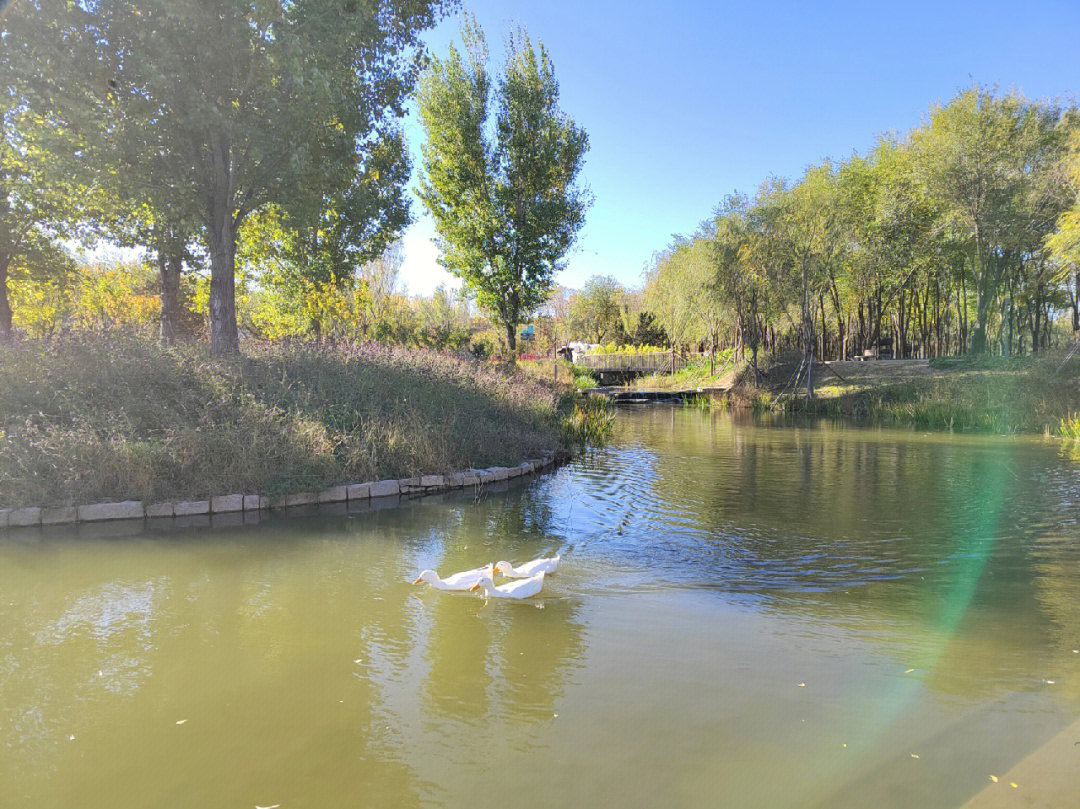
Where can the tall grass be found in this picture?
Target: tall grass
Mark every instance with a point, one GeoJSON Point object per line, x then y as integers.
{"type": "Point", "coordinates": [583, 377]}
{"type": "Point", "coordinates": [700, 401]}
{"type": "Point", "coordinates": [589, 420]}
{"type": "Point", "coordinates": [1069, 426]}
{"type": "Point", "coordinates": [111, 417]}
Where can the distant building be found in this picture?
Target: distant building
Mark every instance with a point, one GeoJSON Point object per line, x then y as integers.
{"type": "Point", "coordinates": [574, 351]}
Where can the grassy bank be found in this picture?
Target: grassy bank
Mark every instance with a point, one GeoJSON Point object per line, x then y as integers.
{"type": "Point", "coordinates": [996, 395]}
{"type": "Point", "coordinates": [695, 375]}
{"type": "Point", "coordinates": [109, 418]}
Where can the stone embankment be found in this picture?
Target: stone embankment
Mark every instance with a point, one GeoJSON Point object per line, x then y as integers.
{"type": "Point", "coordinates": [238, 504]}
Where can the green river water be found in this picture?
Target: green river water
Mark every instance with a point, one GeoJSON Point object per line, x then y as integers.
{"type": "Point", "coordinates": [748, 614]}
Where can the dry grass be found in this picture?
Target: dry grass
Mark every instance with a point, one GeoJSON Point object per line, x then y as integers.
{"type": "Point", "coordinates": [98, 418]}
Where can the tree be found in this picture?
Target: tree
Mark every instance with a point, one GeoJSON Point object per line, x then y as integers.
{"type": "Point", "coordinates": [1064, 242]}
{"type": "Point", "coordinates": [637, 324]}
{"type": "Point", "coordinates": [973, 151]}
{"type": "Point", "coordinates": [738, 283]}
{"type": "Point", "coordinates": [683, 292]}
{"type": "Point", "coordinates": [597, 307]}
{"type": "Point", "coordinates": [506, 207]}
{"type": "Point", "coordinates": [357, 224]}
{"type": "Point", "coordinates": [38, 205]}
{"type": "Point", "coordinates": [248, 102]}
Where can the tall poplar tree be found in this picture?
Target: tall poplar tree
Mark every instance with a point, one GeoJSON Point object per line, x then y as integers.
{"type": "Point", "coordinates": [503, 193]}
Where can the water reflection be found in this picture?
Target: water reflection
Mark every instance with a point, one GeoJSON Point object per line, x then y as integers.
{"type": "Point", "coordinates": [297, 651]}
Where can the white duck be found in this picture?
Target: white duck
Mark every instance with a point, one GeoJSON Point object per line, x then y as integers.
{"type": "Point", "coordinates": [521, 588]}
{"type": "Point", "coordinates": [456, 581]}
{"type": "Point", "coordinates": [529, 568]}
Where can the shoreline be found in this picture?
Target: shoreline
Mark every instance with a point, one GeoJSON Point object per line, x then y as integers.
{"type": "Point", "coordinates": [109, 427]}
{"type": "Point", "coordinates": [389, 492]}
{"type": "Point", "coordinates": [948, 395]}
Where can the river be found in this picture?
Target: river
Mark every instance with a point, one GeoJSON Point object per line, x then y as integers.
{"type": "Point", "coordinates": [749, 613]}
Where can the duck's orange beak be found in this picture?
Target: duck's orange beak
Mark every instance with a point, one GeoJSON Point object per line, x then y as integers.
{"type": "Point", "coordinates": [475, 587]}
{"type": "Point", "coordinates": [417, 580]}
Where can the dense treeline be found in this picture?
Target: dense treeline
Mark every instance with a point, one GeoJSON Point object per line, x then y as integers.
{"type": "Point", "coordinates": [174, 125]}
{"type": "Point", "coordinates": [254, 150]}
{"type": "Point", "coordinates": [961, 236]}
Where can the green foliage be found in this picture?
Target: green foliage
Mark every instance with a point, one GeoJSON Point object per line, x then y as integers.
{"type": "Point", "coordinates": [762, 402]}
{"type": "Point", "coordinates": [681, 292]}
{"type": "Point", "coordinates": [937, 243]}
{"type": "Point", "coordinates": [506, 206]}
{"type": "Point", "coordinates": [206, 113]}
{"type": "Point", "coordinates": [981, 362]}
{"type": "Point", "coordinates": [484, 346]}
{"type": "Point", "coordinates": [595, 311]}
{"type": "Point", "coordinates": [700, 401]}
{"type": "Point", "coordinates": [39, 203]}
{"type": "Point", "coordinates": [1069, 426]}
{"type": "Point", "coordinates": [582, 376]}
{"type": "Point", "coordinates": [1000, 398]}
{"type": "Point", "coordinates": [588, 420]}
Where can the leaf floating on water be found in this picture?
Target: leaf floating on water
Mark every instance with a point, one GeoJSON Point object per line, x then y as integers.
{"type": "Point", "coordinates": [914, 755]}
{"type": "Point", "coordinates": [802, 685]}
{"type": "Point", "coordinates": [994, 778]}
{"type": "Point", "coordinates": [1049, 682]}
{"type": "Point", "coordinates": [272, 806]}
{"type": "Point", "coordinates": [1013, 784]}
{"type": "Point", "coordinates": [845, 745]}
{"type": "Point", "coordinates": [71, 738]}
{"type": "Point", "coordinates": [180, 721]}
{"type": "Point", "coordinates": [554, 716]}
{"type": "Point", "coordinates": [909, 671]}
{"type": "Point", "coordinates": [358, 661]}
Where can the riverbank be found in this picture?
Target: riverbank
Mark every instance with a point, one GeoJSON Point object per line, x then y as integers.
{"type": "Point", "coordinates": [1004, 395]}
{"type": "Point", "coordinates": [990, 394]}
{"type": "Point", "coordinates": [113, 418]}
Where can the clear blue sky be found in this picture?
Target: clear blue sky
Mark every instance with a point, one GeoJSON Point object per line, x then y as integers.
{"type": "Point", "coordinates": [685, 102]}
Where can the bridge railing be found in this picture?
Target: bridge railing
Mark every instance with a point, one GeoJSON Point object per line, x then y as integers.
{"type": "Point", "coordinates": [655, 362]}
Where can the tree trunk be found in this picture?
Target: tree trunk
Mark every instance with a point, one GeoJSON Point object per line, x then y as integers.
{"type": "Point", "coordinates": [986, 289]}
{"type": "Point", "coordinates": [224, 339]}
{"type": "Point", "coordinates": [824, 336]}
{"type": "Point", "coordinates": [511, 339]}
{"type": "Point", "coordinates": [1076, 301]}
{"type": "Point", "coordinates": [222, 222]}
{"type": "Point", "coordinates": [1036, 324]}
{"type": "Point", "coordinates": [5, 305]}
{"type": "Point", "coordinates": [170, 264]}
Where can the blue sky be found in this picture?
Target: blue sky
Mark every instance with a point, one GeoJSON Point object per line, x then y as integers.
{"type": "Point", "coordinates": [685, 102]}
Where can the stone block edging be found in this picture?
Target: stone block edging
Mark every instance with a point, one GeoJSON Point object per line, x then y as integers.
{"type": "Point", "coordinates": [243, 503]}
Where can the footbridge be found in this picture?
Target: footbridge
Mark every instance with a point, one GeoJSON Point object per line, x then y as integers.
{"type": "Point", "coordinates": [614, 369]}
